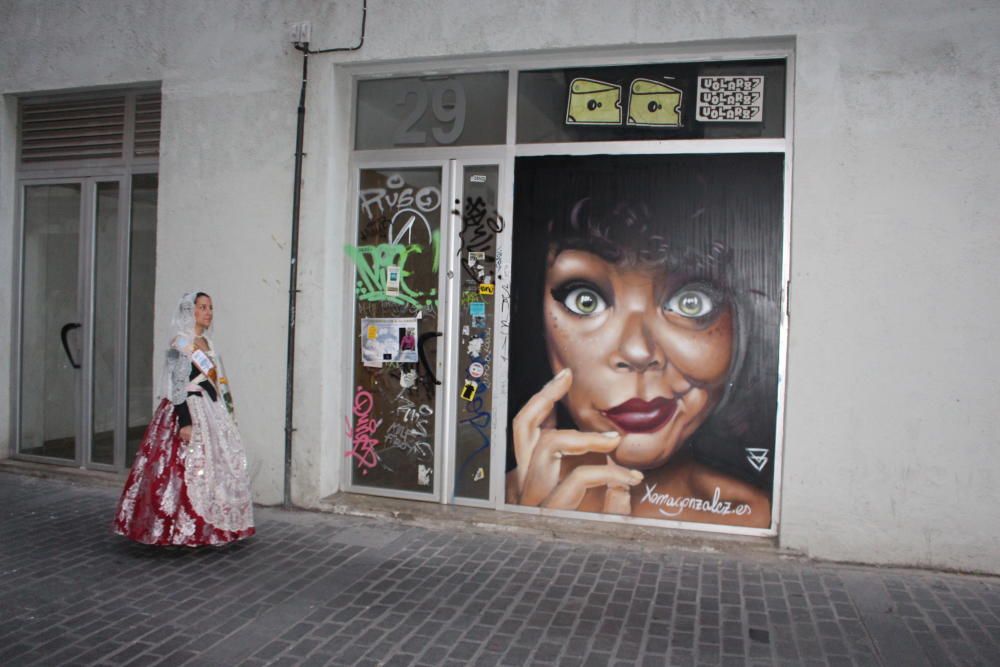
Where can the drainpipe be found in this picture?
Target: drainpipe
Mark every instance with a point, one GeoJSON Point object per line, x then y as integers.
{"type": "Point", "coordinates": [293, 278]}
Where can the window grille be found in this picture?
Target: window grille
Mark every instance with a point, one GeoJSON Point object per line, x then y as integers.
{"type": "Point", "coordinates": [70, 129]}
{"type": "Point", "coordinates": [147, 125]}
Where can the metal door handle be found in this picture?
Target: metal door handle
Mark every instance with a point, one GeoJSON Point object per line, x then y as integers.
{"type": "Point", "coordinates": [69, 326]}
{"type": "Point", "coordinates": [423, 357]}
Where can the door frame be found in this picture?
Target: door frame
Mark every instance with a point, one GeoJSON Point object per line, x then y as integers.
{"type": "Point", "coordinates": [88, 179]}
{"type": "Point", "coordinates": [17, 323]}
{"type": "Point", "coordinates": [451, 161]}
{"type": "Point", "coordinates": [504, 193]}
{"type": "Point", "coordinates": [351, 356]}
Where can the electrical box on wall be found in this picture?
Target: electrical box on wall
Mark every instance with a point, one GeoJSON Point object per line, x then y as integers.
{"type": "Point", "coordinates": [300, 32]}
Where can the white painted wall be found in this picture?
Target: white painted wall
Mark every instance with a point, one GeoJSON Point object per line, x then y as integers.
{"type": "Point", "coordinates": [230, 84]}
{"type": "Point", "coordinates": [891, 421]}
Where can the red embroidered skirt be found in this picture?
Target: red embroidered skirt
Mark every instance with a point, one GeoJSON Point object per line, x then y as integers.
{"type": "Point", "coordinates": [189, 494]}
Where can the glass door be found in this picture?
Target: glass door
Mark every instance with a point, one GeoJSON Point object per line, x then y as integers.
{"type": "Point", "coordinates": [394, 427]}
{"type": "Point", "coordinates": [425, 266]}
{"type": "Point", "coordinates": [476, 222]}
{"type": "Point", "coordinates": [85, 350]}
{"type": "Point", "coordinates": [52, 305]}
{"type": "Point", "coordinates": [140, 286]}
{"type": "Point", "coordinates": [107, 303]}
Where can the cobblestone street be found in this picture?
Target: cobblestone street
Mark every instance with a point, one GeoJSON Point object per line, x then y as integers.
{"type": "Point", "coordinates": [323, 589]}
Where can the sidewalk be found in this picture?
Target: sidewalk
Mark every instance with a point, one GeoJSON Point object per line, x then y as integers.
{"type": "Point", "coordinates": [323, 589]}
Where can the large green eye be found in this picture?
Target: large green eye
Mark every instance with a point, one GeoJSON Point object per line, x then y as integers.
{"type": "Point", "coordinates": [584, 301]}
{"type": "Point", "coordinates": [693, 302]}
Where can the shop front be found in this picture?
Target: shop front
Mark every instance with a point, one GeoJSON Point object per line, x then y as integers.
{"type": "Point", "coordinates": [569, 288]}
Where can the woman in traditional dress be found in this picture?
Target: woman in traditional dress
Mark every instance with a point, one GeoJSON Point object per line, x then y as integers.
{"type": "Point", "coordinates": [188, 485]}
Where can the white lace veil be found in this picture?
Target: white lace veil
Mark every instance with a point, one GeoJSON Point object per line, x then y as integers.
{"type": "Point", "coordinates": [182, 322]}
{"type": "Point", "coordinates": [177, 365]}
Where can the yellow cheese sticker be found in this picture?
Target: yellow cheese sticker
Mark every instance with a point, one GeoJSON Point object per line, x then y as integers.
{"type": "Point", "coordinates": [593, 102]}
{"type": "Point", "coordinates": [654, 104]}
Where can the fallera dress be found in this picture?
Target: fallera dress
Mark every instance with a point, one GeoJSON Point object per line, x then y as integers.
{"type": "Point", "coordinates": [195, 493]}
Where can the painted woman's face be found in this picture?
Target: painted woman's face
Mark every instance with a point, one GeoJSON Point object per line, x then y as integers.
{"type": "Point", "coordinates": [649, 350]}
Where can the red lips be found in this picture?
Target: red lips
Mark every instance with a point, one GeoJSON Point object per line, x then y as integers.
{"type": "Point", "coordinates": [638, 416]}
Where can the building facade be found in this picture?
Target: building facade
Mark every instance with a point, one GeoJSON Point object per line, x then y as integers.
{"type": "Point", "coordinates": [714, 268]}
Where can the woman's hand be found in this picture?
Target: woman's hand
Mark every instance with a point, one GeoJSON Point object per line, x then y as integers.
{"type": "Point", "coordinates": [185, 434]}
{"type": "Point", "coordinates": [540, 449]}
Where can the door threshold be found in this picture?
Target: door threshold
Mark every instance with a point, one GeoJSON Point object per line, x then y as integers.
{"type": "Point", "coordinates": [66, 472]}
{"type": "Point", "coordinates": [456, 517]}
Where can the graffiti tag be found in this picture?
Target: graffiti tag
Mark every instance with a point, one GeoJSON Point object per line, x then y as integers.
{"type": "Point", "coordinates": [479, 229]}
{"type": "Point", "coordinates": [373, 261]}
{"type": "Point", "coordinates": [398, 437]}
{"type": "Point", "coordinates": [480, 423]}
{"type": "Point", "coordinates": [375, 201]}
{"type": "Point", "coordinates": [480, 420]}
{"type": "Point", "coordinates": [410, 435]}
{"type": "Point", "coordinates": [363, 444]}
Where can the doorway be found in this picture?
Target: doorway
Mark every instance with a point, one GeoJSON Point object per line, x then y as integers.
{"type": "Point", "coordinates": [84, 335]}
{"type": "Point", "coordinates": [425, 262]}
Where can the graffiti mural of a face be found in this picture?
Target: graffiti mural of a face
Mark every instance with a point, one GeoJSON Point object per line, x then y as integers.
{"type": "Point", "coordinates": [654, 284]}
{"type": "Point", "coordinates": [649, 351]}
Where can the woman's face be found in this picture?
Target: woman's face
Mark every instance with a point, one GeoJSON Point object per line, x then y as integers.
{"type": "Point", "coordinates": [203, 312]}
{"type": "Point", "coordinates": [649, 349]}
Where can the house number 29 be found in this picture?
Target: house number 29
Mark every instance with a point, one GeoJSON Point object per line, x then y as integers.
{"type": "Point", "coordinates": [446, 100]}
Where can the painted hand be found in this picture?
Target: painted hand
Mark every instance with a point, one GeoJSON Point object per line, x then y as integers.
{"type": "Point", "coordinates": [542, 478]}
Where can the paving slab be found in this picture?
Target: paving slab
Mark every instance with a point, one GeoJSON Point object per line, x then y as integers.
{"type": "Point", "coordinates": [333, 589]}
